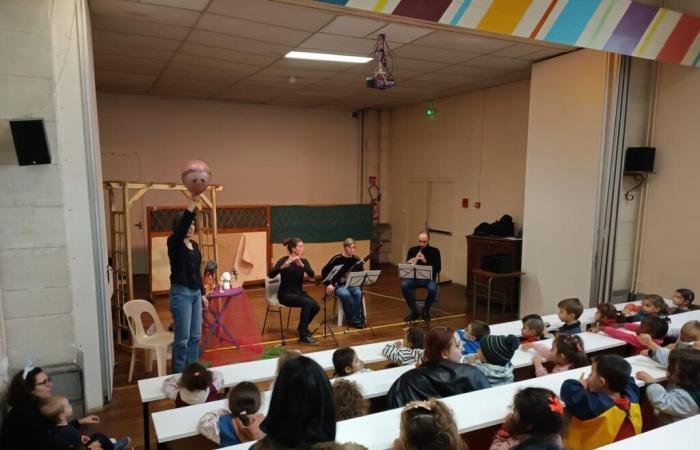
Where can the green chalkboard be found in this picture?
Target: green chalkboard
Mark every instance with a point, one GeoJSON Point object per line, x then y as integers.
{"type": "Point", "coordinates": [321, 223]}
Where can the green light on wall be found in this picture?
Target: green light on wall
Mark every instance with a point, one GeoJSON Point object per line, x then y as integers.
{"type": "Point", "coordinates": [431, 111]}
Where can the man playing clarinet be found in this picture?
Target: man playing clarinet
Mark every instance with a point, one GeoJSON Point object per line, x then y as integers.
{"type": "Point", "coordinates": [422, 254]}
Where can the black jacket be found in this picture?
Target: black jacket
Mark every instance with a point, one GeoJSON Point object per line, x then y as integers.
{"type": "Point", "coordinates": [184, 263]}
{"type": "Point", "coordinates": [432, 257]}
{"type": "Point", "coordinates": [25, 428]}
{"type": "Point", "coordinates": [439, 380]}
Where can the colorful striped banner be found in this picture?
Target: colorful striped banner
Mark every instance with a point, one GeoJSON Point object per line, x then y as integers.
{"type": "Point", "coordinates": [619, 26]}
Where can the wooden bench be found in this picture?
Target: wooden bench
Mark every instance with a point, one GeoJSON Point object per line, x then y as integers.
{"type": "Point", "coordinates": [677, 436]}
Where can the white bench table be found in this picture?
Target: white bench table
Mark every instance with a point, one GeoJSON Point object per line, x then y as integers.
{"type": "Point", "coordinates": [677, 436]}
{"type": "Point", "coordinates": [678, 320]}
{"type": "Point", "coordinates": [253, 371]}
{"type": "Point", "coordinates": [378, 431]}
{"type": "Point", "coordinates": [182, 422]}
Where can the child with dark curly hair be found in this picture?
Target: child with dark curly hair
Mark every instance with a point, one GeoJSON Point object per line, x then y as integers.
{"type": "Point", "coordinates": [428, 425]}
{"type": "Point", "coordinates": [681, 398]}
{"type": "Point", "coordinates": [349, 402]}
{"type": "Point", "coordinates": [535, 423]}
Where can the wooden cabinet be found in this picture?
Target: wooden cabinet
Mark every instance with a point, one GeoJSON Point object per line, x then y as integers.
{"type": "Point", "coordinates": [478, 246]}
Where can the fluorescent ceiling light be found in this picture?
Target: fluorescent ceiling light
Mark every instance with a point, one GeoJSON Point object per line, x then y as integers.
{"type": "Point", "coordinates": [328, 57]}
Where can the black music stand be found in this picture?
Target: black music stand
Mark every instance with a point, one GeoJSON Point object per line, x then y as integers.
{"type": "Point", "coordinates": [326, 327]}
{"type": "Point", "coordinates": [362, 279]}
{"type": "Point", "coordinates": [415, 272]}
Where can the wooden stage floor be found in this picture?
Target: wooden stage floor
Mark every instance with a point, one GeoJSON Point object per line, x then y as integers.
{"type": "Point", "coordinates": [386, 309]}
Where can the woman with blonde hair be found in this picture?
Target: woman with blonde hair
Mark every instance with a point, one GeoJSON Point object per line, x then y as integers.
{"type": "Point", "coordinates": [428, 425]}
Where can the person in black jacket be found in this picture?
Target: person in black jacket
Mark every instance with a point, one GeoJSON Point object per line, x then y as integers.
{"type": "Point", "coordinates": [350, 297]}
{"type": "Point", "coordinates": [440, 375]}
{"type": "Point", "coordinates": [186, 290]}
{"type": "Point", "coordinates": [425, 255]}
{"type": "Point", "coordinates": [24, 427]}
{"type": "Point", "coordinates": [291, 292]}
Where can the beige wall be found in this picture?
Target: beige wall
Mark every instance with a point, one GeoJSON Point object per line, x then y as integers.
{"type": "Point", "coordinates": [670, 245]}
{"type": "Point", "coordinates": [478, 142]}
{"type": "Point", "coordinates": [567, 106]}
{"type": "Point", "coordinates": [261, 154]}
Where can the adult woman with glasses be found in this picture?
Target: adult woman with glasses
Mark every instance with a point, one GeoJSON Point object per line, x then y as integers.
{"type": "Point", "coordinates": [25, 428]}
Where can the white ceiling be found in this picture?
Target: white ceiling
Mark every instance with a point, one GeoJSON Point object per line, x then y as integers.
{"type": "Point", "coordinates": [234, 50]}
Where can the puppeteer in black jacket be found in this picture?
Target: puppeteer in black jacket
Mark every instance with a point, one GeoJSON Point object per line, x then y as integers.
{"type": "Point", "coordinates": [436, 380]}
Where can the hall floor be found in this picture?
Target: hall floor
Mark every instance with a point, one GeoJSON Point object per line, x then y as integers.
{"type": "Point", "coordinates": [386, 309]}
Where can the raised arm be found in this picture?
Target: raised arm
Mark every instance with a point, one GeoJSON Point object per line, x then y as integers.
{"type": "Point", "coordinates": [185, 220]}
{"type": "Point", "coordinates": [278, 267]}
{"type": "Point", "coordinates": [307, 268]}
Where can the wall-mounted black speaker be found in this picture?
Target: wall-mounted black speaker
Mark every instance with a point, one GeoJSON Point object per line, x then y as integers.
{"type": "Point", "coordinates": [31, 145]}
{"type": "Point", "coordinates": [640, 159]}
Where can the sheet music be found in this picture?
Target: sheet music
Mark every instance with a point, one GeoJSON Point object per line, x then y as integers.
{"type": "Point", "coordinates": [357, 279]}
{"type": "Point", "coordinates": [334, 271]}
{"type": "Point", "coordinates": [417, 271]}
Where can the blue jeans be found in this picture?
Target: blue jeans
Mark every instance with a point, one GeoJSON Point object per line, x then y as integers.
{"type": "Point", "coordinates": [409, 286]}
{"type": "Point", "coordinates": [351, 299]}
{"type": "Point", "coordinates": [186, 309]}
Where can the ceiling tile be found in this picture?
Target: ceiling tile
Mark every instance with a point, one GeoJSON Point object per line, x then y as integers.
{"type": "Point", "coordinates": [544, 53]}
{"type": "Point", "coordinates": [498, 62]}
{"type": "Point", "coordinates": [251, 30]}
{"type": "Point", "coordinates": [244, 97]}
{"type": "Point", "coordinates": [298, 74]}
{"type": "Point", "coordinates": [120, 88]}
{"type": "Point", "coordinates": [238, 43]}
{"type": "Point", "coordinates": [170, 82]}
{"type": "Point", "coordinates": [433, 54]}
{"type": "Point", "coordinates": [463, 42]}
{"type": "Point", "coordinates": [448, 78]}
{"type": "Point", "coordinates": [127, 50]}
{"type": "Point", "coordinates": [128, 60]}
{"type": "Point", "coordinates": [352, 26]}
{"type": "Point", "coordinates": [129, 25]}
{"type": "Point", "coordinates": [298, 17]}
{"type": "Point", "coordinates": [215, 63]}
{"type": "Point", "coordinates": [517, 50]}
{"type": "Point", "coordinates": [335, 43]}
{"type": "Point", "coordinates": [396, 32]}
{"type": "Point", "coordinates": [188, 71]}
{"type": "Point", "coordinates": [181, 93]}
{"type": "Point", "coordinates": [474, 71]}
{"type": "Point", "coordinates": [276, 81]}
{"type": "Point", "coordinates": [134, 79]}
{"type": "Point", "coordinates": [225, 54]}
{"type": "Point", "coordinates": [144, 11]}
{"type": "Point", "coordinates": [323, 66]}
{"type": "Point", "coordinates": [417, 65]}
{"type": "Point", "coordinates": [197, 5]}
{"type": "Point", "coordinates": [124, 68]}
{"type": "Point", "coordinates": [115, 38]}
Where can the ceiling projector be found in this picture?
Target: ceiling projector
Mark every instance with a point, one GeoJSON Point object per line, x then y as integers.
{"type": "Point", "coordinates": [382, 77]}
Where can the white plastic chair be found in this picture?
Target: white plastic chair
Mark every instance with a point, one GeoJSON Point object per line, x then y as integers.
{"type": "Point", "coordinates": [341, 314]}
{"type": "Point", "coordinates": [157, 343]}
{"type": "Point", "coordinates": [272, 287]}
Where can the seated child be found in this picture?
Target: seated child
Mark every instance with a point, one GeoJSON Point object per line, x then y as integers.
{"type": "Point", "coordinates": [65, 433]}
{"type": "Point", "coordinates": [535, 423]}
{"type": "Point", "coordinates": [604, 407]}
{"type": "Point", "coordinates": [195, 385]}
{"type": "Point", "coordinates": [533, 328]}
{"type": "Point", "coordinates": [566, 353]}
{"type": "Point", "coordinates": [651, 305]}
{"type": "Point", "coordinates": [654, 326]}
{"type": "Point", "coordinates": [690, 334]}
{"type": "Point", "coordinates": [493, 358]}
{"type": "Point", "coordinates": [408, 351]}
{"type": "Point", "coordinates": [606, 315]}
{"type": "Point", "coordinates": [428, 425]}
{"type": "Point", "coordinates": [472, 335]}
{"type": "Point", "coordinates": [237, 424]}
{"type": "Point", "coordinates": [682, 398]}
{"type": "Point", "coordinates": [346, 362]}
{"type": "Point", "coordinates": [349, 402]}
{"type": "Point", "coordinates": [570, 309]}
{"type": "Point", "coordinates": [683, 300]}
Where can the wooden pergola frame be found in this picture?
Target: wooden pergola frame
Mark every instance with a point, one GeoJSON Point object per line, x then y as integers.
{"type": "Point", "coordinates": [120, 235]}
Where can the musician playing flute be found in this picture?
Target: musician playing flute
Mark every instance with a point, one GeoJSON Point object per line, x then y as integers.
{"type": "Point", "coordinates": [425, 255]}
